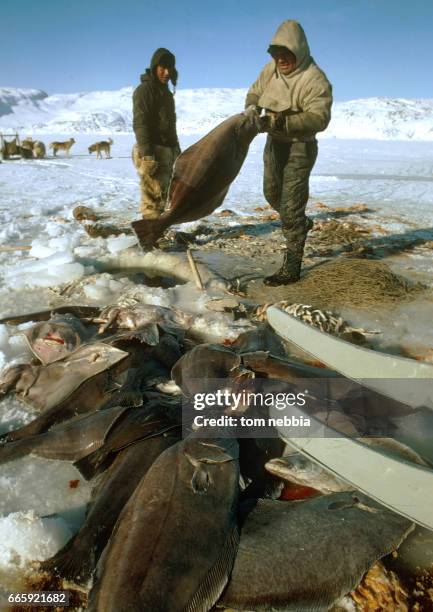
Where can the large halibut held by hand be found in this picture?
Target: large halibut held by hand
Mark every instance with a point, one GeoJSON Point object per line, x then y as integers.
{"type": "Point", "coordinates": [202, 176]}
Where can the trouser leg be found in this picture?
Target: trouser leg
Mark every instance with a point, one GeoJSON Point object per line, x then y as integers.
{"type": "Point", "coordinates": [165, 156]}
{"type": "Point", "coordinates": [286, 188]}
{"type": "Point", "coordinates": [294, 195]}
{"type": "Point", "coordinates": [154, 188]}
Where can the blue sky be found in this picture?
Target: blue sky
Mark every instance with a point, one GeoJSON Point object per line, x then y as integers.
{"type": "Point", "coordinates": [366, 47]}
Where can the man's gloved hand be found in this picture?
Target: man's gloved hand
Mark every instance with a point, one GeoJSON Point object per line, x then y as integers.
{"type": "Point", "coordinates": [252, 109]}
{"type": "Point", "coordinates": [148, 165]}
{"type": "Point", "coordinates": [272, 121]}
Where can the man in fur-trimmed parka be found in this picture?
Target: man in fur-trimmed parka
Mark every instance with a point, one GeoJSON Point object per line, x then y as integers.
{"type": "Point", "coordinates": [297, 97]}
{"type": "Point", "coordinates": [154, 124]}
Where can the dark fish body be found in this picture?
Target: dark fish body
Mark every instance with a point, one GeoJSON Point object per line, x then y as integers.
{"type": "Point", "coordinates": [415, 556]}
{"type": "Point", "coordinates": [44, 315]}
{"type": "Point", "coordinates": [152, 419]}
{"type": "Point", "coordinates": [77, 559]}
{"type": "Point", "coordinates": [202, 366]}
{"type": "Point", "coordinates": [67, 442]}
{"type": "Point", "coordinates": [91, 438]}
{"type": "Point", "coordinates": [306, 555]}
{"type": "Point", "coordinates": [210, 361]}
{"type": "Point", "coordinates": [283, 369]}
{"type": "Point", "coordinates": [261, 338]}
{"type": "Point", "coordinates": [202, 176]}
{"type": "Point", "coordinates": [79, 384]}
{"type": "Point", "coordinates": [322, 383]}
{"type": "Point", "coordinates": [10, 376]}
{"type": "Point", "coordinates": [44, 387]}
{"type": "Point", "coordinates": [175, 541]}
{"type": "Point", "coordinates": [253, 455]}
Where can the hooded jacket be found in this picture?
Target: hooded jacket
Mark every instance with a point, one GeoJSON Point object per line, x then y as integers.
{"type": "Point", "coordinates": [154, 116]}
{"type": "Point", "coordinates": [304, 96]}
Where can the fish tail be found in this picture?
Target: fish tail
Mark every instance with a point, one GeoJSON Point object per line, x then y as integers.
{"type": "Point", "coordinates": [148, 231]}
{"type": "Point", "coordinates": [89, 466]}
{"type": "Point", "coordinates": [35, 427]}
{"type": "Point", "coordinates": [13, 450]}
{"type": "Point", "coordinates": [217, 578]}
{"type": "Point", "coordinates": [73, 562]}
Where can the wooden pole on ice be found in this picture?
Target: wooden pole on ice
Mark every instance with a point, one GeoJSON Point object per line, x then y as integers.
{"type": "Point", "coordinates": [194, 270]}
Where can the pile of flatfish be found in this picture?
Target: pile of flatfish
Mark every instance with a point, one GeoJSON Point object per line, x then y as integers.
{"type": "Point", "coordinates": [182, 521]}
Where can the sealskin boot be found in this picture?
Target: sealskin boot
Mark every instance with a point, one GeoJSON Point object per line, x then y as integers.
{"type": "Point", "coordinates": [289, 272]}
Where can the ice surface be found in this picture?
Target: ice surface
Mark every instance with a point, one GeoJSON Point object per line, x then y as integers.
{"type": "Point", "coordinates": [24, 536]}
{"type": "Point", "coordinates": [119, 243]}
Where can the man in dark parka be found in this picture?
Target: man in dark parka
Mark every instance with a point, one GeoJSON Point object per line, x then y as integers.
{"type": "Point", "coordinates": [154, 124]}
{"type": "Point", "coordinates": [297, 98]}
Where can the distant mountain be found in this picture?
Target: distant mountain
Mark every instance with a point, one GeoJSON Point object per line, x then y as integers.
{"type": "Point", "coordinates": [383, 119]}
{"type": "Point", "coordinates": [199, 110]}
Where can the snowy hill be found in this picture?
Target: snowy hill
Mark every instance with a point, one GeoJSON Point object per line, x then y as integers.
{"type": "Point", "coordinates": [199, 110]}
{"type": "Point", "coordinates": [383, 119]}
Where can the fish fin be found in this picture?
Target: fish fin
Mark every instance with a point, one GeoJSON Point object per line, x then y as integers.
{"type": "Point", "coordinates": [12, 450]}
{"type": "Point", "coordinates": [90, 465]}
{"type": "Point", "coordinates": [71, 562]}
{"type": "Point", "coordinates": [200, 480]}
{"type": "Point", "coordinates": [217, 577]}
{"type": "Point", "coordinates": [148, 334]}
{"type": "Point", "coordinates": [126, 399]}
{"type": "Point", "coordinates": [148, 231]}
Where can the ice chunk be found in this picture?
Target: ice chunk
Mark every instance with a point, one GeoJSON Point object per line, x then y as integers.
{"type": "Point", "coordinates": [57, 268]}
{"type": "Point", "coordinates": [54, 229]}
{"type": "Point", "coordinates": [4, 338]}
{"type": "Point", "coordinates": [57, 275]}
{"type": "Point", "coordinates": [119, 243]}
{"type": "Point", "coordinates": [86, 251]}
{"type": "Point", "coordinates": [13, 345]}
{"type": "Point", "coordinates": [43, 485]}
{"type": "Point", "coordinates": [25, 536]}
{"type": "Point", "coordinates": [115, 285]}
{"type": "Point", "coordinates": [99, 289]}
{"type": "Point", "coordinates": [97, 294]}
{"type": "Point", "coordinates": [46, 263]}
{"type": "Point", "coordinates": [63, 243]}
{"type": "Point", "coordinates": [41, 250]}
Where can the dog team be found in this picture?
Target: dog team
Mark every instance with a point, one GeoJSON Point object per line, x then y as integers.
{"type": "Point", "coordinates": [35, 149]}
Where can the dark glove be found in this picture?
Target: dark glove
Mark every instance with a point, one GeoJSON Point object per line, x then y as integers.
{"type": "Point", "coordinates": [272, 121]}
{"type": "Point", "coordinates": [252, 109]}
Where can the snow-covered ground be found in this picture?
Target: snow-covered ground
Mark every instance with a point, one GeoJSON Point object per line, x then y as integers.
{"type": "Point", "coordinates": [393, 176]}
{"type": "Point", "coordinates": [38, 197]}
